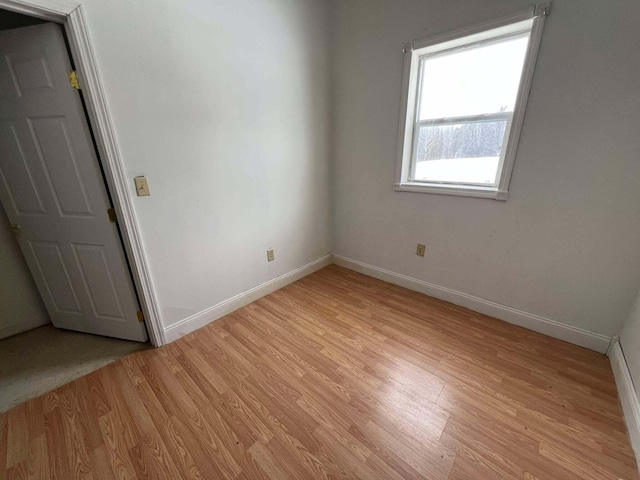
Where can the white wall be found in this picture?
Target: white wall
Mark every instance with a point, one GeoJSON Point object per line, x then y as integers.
{"type": "Point", "coordinates": [223, 105]}
{"type": "Point", "coordinates": [564, 246]}
{"type": "Point", "coordinates": [21, 307]}
{"type": "Point", "coordinates": [630, 342]}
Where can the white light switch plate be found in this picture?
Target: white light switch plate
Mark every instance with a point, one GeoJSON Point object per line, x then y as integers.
{"type": "Point", "coordinates": [142, 186]}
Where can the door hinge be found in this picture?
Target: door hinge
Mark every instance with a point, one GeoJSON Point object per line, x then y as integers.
{"type": "Point", "coordinates": [73, 79]}
{"type": "Point", "coordinates": [140, 316]}
{"type": "Point", "coordinates": [112, 215]}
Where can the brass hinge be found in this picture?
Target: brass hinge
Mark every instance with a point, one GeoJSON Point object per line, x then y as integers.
{"type": "Point", "coordinates": [112, 215]}
{"type": "Point", "coordinates": [140, 316]}
{"type": "Point", "coordinates": [73, 79]}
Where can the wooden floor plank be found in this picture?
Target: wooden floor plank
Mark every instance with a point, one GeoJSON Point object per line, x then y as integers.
{"type": "Point", "coordinates": [335, 376]}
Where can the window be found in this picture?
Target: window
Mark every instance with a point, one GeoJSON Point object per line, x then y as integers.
{"type": "Point", "coordinates": [464, 100]}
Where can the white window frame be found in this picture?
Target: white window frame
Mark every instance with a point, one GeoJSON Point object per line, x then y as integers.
{"type": "Point", "coordinates": [410, 97]}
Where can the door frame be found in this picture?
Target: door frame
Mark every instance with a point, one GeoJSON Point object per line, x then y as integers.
{"type": "Point", "coordinates": [71, 15]}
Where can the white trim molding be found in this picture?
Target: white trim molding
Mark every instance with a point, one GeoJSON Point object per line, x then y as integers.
{"type": "Point", "coordinates": [51, 10]}
{"type": "Point", "coordinates": [627, 394]}
{"type": "Point", "coordinates": [71, 15]}
{"type": "Point", "coordinates": [199, 320]}
{"type": "Point", "coordinates": [546, 326]}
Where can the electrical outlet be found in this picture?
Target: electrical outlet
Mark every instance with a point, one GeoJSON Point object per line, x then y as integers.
{"type": "Point", "coordinates": [142, 186]}
{"type": "Point", "coordinates": [271, 256]}
{"type": "Point", "coordinates": [420, 250]}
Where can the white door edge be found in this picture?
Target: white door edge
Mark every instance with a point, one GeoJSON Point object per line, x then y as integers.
{"type": "Point", "coordinates": [71, 15]}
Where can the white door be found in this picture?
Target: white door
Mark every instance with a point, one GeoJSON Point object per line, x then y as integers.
{"type": "Point", "coordinates": [52, 190]}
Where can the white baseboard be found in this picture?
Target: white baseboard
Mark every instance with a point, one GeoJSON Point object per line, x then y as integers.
{"type": "Point", "coordinates": [194, 322]}
{"type": "Point", "coordinates": [546, 326]}
{"type": "Point", "coordinates": [627, 394]}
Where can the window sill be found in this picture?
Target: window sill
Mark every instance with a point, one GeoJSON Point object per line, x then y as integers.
{"type": "Point", "coordinates": [457, 190]}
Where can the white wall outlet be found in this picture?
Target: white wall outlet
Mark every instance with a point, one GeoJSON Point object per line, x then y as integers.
{"type": "Point", "coordinates": [271, 256]}
{"type": "Point", "coordinates": [142, 186]}
{"type": "Point", "coordinates": [420, 250]}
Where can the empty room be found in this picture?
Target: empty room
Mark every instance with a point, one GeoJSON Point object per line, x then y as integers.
{"type": "Point", "coordinates": [319, 239]}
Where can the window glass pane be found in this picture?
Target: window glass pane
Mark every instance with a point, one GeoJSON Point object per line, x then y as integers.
{"type": "Point", "coordinates": [459, 153]}
{"type": "Point", "coordinates": [473, 81]}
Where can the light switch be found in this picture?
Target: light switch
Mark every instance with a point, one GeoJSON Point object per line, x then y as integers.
{"type": "Point", "coordinates": [142, 187]}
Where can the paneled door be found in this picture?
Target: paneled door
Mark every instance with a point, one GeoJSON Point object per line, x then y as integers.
{"type": "Point", "coordinates": [53, 191]}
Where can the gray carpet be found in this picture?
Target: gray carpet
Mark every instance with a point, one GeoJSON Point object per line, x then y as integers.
{"type": "Point", "coordinates": [43, 359]}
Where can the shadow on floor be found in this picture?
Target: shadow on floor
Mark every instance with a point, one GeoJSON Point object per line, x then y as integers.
{"type": "Point", "coordinates": [43, 359]}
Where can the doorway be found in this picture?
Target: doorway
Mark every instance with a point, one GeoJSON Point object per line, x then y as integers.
{"type": "Point", "coordinates": [53, 192]}
{"type": "Point", "coordinates": [70, 15]}
{"type": "Point", "coordinates": [54, 196]}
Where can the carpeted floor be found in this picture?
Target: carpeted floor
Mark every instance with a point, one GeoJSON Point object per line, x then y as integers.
{"type": "Point", "coordinates": [40, 360]}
